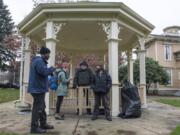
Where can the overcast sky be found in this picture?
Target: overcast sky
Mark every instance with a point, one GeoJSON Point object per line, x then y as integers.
{"type": "Point", "coordinates": [161, 13]}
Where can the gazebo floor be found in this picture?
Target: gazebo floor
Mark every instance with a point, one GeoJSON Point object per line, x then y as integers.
{"type": "Point", "coordinates": [157, 119]}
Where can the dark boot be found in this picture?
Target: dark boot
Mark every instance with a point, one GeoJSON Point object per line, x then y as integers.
{"type": "Point", "coordinates": [89, 111]}
{"type": "Point", "coordinates": [38, 131]}
{"type": "Point", "coordinates": [47, 126]}
{"type": "Point", "coordinates": [77, 112]}
{"type": "Point", "coordinates": [108, 118]}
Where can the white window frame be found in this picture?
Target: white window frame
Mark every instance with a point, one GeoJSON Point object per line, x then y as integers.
{"type": "Point", "coordinates": [178, 75]}
{"type": "Point", "coordinates": [171, 76]}
{"type": "Point", "coordinates": [169, 59]}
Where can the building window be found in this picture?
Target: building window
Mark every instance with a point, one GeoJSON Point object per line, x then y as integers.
{"type": "Point", "coordinates": [169, 72]}
{"type": "Point", "coordinates": [167, 52]}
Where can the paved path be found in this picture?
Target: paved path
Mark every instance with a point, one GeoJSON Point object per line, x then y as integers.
{"type": "Point", "coordinates": [157, 119]}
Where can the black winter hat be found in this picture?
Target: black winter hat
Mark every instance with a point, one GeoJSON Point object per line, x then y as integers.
{"type": "Point", "coordinates": [44, 50]}
{"type": "Point", "coordinates": [83, 63]}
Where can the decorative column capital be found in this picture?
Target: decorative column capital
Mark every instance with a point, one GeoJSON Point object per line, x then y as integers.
{"type": "Point", "coordinates": [108, 27]}
{"type": "Point", "coordinates": [57, 27]}
{"type": "Point", "coordinates": [26, 42]}
{"type": "Point", "coordinates": [141, 42]}
{"type": "Point", "coordinates": [52, 29]}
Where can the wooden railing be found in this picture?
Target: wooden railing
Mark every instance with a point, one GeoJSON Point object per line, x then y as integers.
{"type": "Point", "coordinates": [77, 99]}
{"type": "Point", "coordinates": [80, 99]}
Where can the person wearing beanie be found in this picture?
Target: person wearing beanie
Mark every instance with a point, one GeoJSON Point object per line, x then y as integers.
{"type": "Point", "coordinates": [101, 87]}
{"type": "Point", "coordinates": [38, 86]}
{"type": "Point", "coordinates": [83, 77]}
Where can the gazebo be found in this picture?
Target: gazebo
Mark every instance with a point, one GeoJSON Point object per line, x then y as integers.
{"type": "Point", "coordinates": [86, 27]}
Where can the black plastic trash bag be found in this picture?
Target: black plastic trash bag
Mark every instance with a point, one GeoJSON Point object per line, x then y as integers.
{"type": "Point", "coordinates": [131, 103]}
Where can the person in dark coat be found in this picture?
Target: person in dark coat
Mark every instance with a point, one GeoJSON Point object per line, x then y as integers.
{"type": "Point", "coordinates": [83, 77]}
{"type": "Point", "coordinates": [101, 87]}
{"type": "Point", "coordinates": [38, 86]}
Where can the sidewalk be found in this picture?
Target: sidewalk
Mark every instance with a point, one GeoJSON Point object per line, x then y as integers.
{"type": "Point", "coordinates": [157, 119]}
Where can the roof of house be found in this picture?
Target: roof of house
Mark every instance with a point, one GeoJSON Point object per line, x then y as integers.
{"type": "Point", "coordinates": [171, 27]}
{"type": "Point", "coordinates": [167, 38]}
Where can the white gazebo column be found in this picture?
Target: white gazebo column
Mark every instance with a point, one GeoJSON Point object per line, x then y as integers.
{"type": "Point", "coordinates": [21, 70]}
{"type": "Point", "coordinates": [112, 29]}
{"type": "Point", "coordinates": [51, 32]}
{"type": "Point", "coordinates": [130, 67]}
{"type": "Point", "coordinates": [142, 56]}
{"type": "Point", "coordinates": [113, 65]}
{"type": "Point", "coordinates": [27, 59]}
{"type": "Point", "coordinates": [24, 69]}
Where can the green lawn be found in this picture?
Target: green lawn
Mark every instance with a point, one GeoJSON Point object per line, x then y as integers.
{"type": "Point", "coordinates": [173, 102]}
{"type": "Point", "coordinates": [7, 134]}
{"type": "Point", "coordinates": [7, 95]}
{"type": "Point", "coordinates": [176, 131]}
{"type": "Point", "coordinates": [170, 101]}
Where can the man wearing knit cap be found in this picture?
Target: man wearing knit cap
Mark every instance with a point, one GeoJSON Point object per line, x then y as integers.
{"type": "Point", "coordinates": [101, 87]}
{"type": "Point", "coordinates": [83, 77]}
{"type": "Point", "coordinates": [38, 86]}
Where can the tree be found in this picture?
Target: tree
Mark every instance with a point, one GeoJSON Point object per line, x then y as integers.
{"type": "Point", "coordinates": [6, 27]}
{"type": "Point", "coordinates": [154, 73]}
{"type": "Point", "coordinates": [6, 23]}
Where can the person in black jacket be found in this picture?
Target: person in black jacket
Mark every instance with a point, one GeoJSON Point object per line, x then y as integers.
{"type": "Point", "coordinates": [83, 77]}
{"type": "Point", "coordinates": [101, 87]}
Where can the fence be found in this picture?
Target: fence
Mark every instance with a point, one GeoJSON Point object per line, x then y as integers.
{"type": "Point", "coordinates": [9, 77]}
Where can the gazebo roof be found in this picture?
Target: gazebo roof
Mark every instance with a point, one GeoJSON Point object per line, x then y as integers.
{"type": "Point", "coordinates": [86, 7]}
{"type": "Point", "coordinates": [82, 15]}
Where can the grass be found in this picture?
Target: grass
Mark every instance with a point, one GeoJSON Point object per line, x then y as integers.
{"type": "Point", "coordinates": [176, 131]}
{"type": "Point", "coordinates": [7, 95]}
{"type": "Point", "coordinates": [8, 134]}
{"type": "Point", "coordinates": [173, 102]}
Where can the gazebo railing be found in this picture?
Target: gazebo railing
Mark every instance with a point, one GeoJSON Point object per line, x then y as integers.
{"type": "Point", "coordinates": [77, 99]}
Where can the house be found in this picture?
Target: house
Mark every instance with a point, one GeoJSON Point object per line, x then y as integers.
{"type": "Point", "coordinates": [165, 49]}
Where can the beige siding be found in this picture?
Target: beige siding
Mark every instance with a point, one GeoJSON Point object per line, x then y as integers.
{"type": "Point", "coordinates": [150, 52]}
{"type": "Point", "coordinates": [176, 81]}
{"type": "Point", "coordinates": [157, 48]}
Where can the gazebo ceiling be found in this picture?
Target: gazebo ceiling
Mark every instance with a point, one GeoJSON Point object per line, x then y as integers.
{"type": "Point", "coordinates": [85, 36]}
{"type": "Point", "coordinates": [82, 32]}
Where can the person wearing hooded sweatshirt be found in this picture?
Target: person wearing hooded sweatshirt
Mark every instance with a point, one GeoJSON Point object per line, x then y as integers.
{"type": "Point", "coordinates": [83, 77]}
{"type": "Point", "coordinates": [62, 90]}
{"type": "Point", "coordinates": [38, 86]}
{"type": "Point", "coordinates": [101, 87]}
